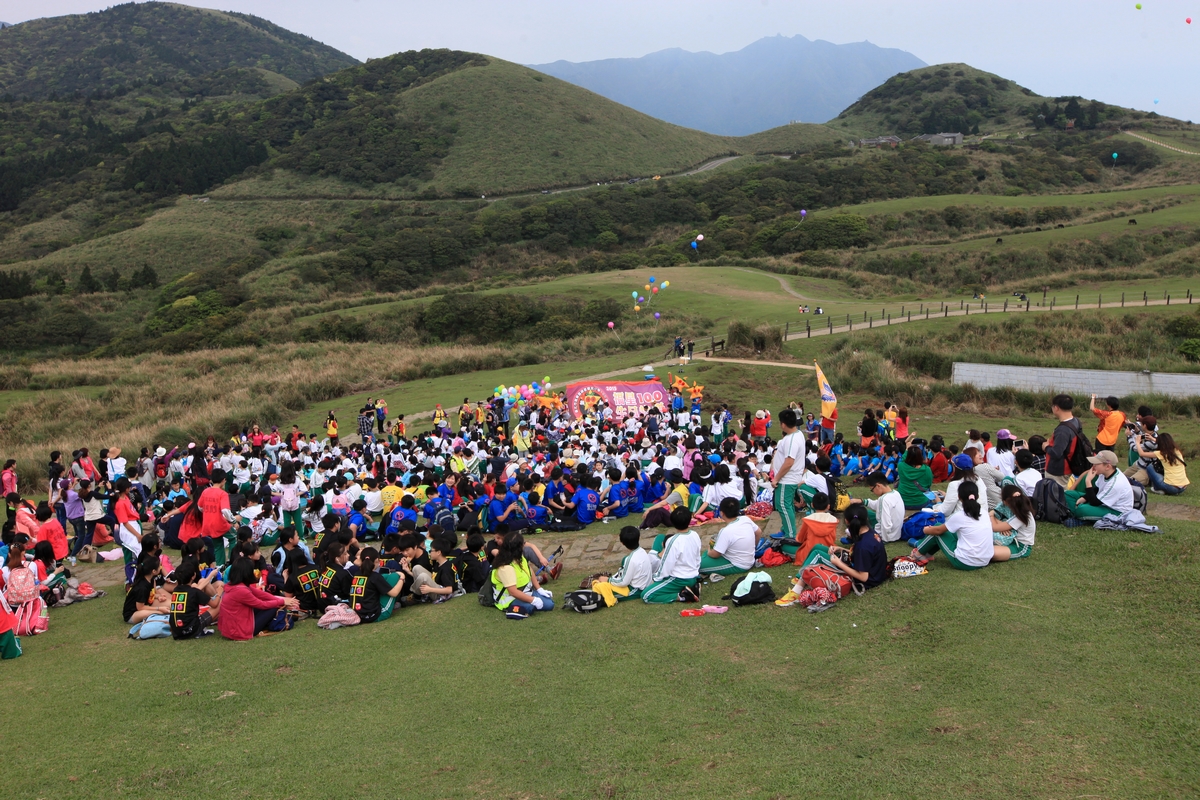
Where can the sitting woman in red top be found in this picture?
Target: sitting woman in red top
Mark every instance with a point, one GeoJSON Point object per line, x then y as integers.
{"type": "Point", "coordinates": [245, 610]}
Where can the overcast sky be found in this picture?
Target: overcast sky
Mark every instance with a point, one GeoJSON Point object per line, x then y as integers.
{"type": "Point", "coordinates": [1103, 49]}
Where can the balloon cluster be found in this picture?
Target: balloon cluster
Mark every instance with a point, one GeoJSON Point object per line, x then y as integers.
{"type": "Point", "coordinates": [696, 242]}
{"type": "Point", "coordinates": [525, 393]}
{"type": "Point", "coordinates": [652, 289]}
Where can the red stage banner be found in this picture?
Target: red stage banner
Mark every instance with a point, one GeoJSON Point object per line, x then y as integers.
{"type": "Point", "coordinates": [624, 398]}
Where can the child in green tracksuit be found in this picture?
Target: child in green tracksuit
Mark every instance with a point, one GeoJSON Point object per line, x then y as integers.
{"type": "Point", "coordinates": [678, 560]}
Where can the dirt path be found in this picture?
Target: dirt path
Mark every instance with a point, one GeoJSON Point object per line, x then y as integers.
{"type": "Point", "coordinates": [783, 284]}
{"type": "Point", "coordinates": [1160, 144]}
{"type": "Point", "coordinates": [756, 363]}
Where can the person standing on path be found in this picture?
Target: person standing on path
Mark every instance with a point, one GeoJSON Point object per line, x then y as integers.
{"type": "Point", "coordinates": [789, 455]}
{"type": "Point", "coordinates": [691, 346]}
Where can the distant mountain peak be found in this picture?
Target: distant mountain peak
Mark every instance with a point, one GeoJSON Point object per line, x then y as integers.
{"type": "Point", "coordinates": [769, 82]}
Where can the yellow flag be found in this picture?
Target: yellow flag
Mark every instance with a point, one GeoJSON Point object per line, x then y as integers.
{"type": "Point", "coordinates": [828, 398]}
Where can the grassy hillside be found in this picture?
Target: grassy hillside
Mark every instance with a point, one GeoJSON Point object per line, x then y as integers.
{"type": "Point", "coordinates": [958, 97]}
{"type": "Point", "coordinates": [140, 43]}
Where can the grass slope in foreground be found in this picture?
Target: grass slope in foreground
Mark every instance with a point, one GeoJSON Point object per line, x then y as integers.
{"type": "Point", "coordinates": [1070, 673]}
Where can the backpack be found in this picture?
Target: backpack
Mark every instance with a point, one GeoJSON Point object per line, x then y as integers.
{"type": "Point", "coordinates": [487, 595]}
{"type": "Point", "coordinates": [583, 601]}
{"type": "Point", "coordinates": [22, 586]}
{"type": "Point", "coordinates": [1141, 500]}
{"type": "Point", "coordinates": [32, 618]}
{"type": "Point", "coordinates": [445, 519]}
{"type": "Point", "coordinates": [155, 626]}
{"type": "Point", "coordinates": [160, 470]}
{"type": "Point", "coordinates": [1079, 452]}
{"type": "Point", "coordinates": [819, 576]}
{"type": "Point", "coordinates": [774, 557]}
{"type": "Point", "coordinates": [760, 592]}
{"type": "Point", "coordinates": [1050, 502]}
{"type": "Point", "coordinates": [914, 526]}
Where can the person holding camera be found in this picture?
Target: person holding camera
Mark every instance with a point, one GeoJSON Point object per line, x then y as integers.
{"type": "Point", "coordinates": [1173, 478]}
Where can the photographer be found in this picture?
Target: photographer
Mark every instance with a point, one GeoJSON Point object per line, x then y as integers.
{"type": "Point", "coordinates": [1173, 479]}
{"type": "Point", "coordinates": [1141, 435]}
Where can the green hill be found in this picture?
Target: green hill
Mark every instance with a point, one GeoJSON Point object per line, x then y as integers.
{"type": "Point", "coordinates": [467, 124]}
{"type": "Point", "coordinates": [957, 97]}
{"type": "Point", "coordinates": [134, 44]}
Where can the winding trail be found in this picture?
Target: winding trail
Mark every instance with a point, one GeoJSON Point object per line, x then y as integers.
{"type": "Point", "coordinates": [783, 284]}
{"type": "Point", "coordinates": [1160, 144]}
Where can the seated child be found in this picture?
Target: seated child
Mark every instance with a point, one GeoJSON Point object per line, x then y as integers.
{"type": "Point", "coordinates": [678, 556]}
{"type": "Point", "coordinates": [192, 609]}
{"type": "Point", "coordinates": [818, 528]}
{"type": "Point", "coordinates": [635, 574]}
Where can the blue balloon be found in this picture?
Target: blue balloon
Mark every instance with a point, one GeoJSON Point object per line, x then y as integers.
{"type": "Point", "coordinates": [1114, 156]}
{"type": "Point", "coordinates": [652, 279]}
{"type": "Point", "coordinates": [695, 245]}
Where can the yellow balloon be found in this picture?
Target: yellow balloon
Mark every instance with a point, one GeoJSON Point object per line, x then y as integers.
{"type": "Point", "coordinates": [637, 308]}
{"type": "Point", "coordinates": [665, 284]}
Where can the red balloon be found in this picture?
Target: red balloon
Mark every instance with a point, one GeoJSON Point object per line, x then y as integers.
{"type": "Point", "coordinates": [655, 290]}
{"type": "Point", "coordinates": [1189, 20]}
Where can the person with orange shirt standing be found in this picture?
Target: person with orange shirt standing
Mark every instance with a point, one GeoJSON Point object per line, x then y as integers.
{"type": "Point", "coordinates": [1112, 422]}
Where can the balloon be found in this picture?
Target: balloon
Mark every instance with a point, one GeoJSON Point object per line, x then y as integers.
{"type": "Point", "coordinates": [637, 308]}
{"type": "Point", "coordinates": [635, 295]}
{"type": "Point", "coordinates": [665, 284]}
{"type": "Point", "coordinates": [655, 290]}
{"type": "Point", "coordinates": [1138, 6]}
{"type": "Point", "coordinates": [1114, 156]}
{"type": "Point", "coordinates": [803, 212]}
{"type": "Point", "coordinates": [695, 246]}
{"type": "Point", "coordinates": [657, 315]}
{"type": "Point", "coordinates": [1188, 20]}
{"type": "Point", "coordinates": [652, 279]}
{"type": "Point", "coordinates": [1156, 101]}
{"type": "Point", "coordinates": [547, 386]}
{"type": "Point", "coordinates": [610, 325]}
{"type": "Point", "coordinates": [699, 238]}
{"type": "Point", "coordinates": [546, 380]}
{"type": "Point", "coordinates": [647, 287]}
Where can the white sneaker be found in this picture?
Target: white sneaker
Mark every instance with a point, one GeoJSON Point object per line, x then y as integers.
{"type": "Point", "coordinates": [714, 578]}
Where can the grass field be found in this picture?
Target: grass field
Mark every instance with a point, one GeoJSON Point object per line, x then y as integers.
{"type": "Point", "coordinates": [1066, 675]}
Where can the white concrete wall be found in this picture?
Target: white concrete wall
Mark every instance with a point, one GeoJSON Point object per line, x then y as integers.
{"type": "Point", "coordinates": [1076, 381]}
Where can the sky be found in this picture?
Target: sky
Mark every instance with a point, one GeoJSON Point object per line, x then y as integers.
{"type": "Point", "coordinates": [1099, 49]}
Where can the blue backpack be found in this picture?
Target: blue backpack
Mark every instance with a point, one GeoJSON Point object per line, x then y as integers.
{"type": "Point", "coordinates": [914, 525]}
{"type": "Point", "coordinates": [155, 626]}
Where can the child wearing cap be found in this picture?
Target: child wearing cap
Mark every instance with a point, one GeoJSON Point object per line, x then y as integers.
{"type": "Point", "coordinates": [1105, 490]}
{"type": "Point", "coordinates": [1001, 456]}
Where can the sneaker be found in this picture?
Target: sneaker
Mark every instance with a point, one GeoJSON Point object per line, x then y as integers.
{"type": "Point", "coordinates": [1156, 490]}
{"type": "Point", "coordinates": [913, 542]}
{"type": "Point", "coordinates": [777, 536]}
{"type": "Point", "coordinates": [845, 540]}
{"type": "Point", "coordinates": [555, 571]}
{"type": "Point", "coordinates": [788, 600]}
{"type": "Point", "coordinates": [817, 608]}
{"type": "Point", "coordinates": [714, 578]}
{"type": "Point", "coordinates": [516, 613]}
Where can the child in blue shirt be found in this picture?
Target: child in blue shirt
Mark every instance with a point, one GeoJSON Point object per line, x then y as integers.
{"type": "Point", "coordinates": [537, 514]}
{"type": "Point", "coordinates": [556, 490]}
{"type": "Point", "coordinates": [635, 484]}
{"type": "Point", "coordinates": [586, 501]}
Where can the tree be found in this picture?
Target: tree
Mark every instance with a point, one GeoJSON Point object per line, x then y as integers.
{"type": "Point", "coordinates": [87, 282]}
{"type": "Point", "coordinates": [112, 281]}
{"type": "Point", "coordinates": [146, 278]}
{"type": "Point", "coordinates": [1073, 110]}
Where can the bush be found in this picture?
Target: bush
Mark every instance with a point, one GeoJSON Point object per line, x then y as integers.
{"type": "Point", "coordinates": [763, 339]}
{"type": "Point", "coordinates": [1190, 349]}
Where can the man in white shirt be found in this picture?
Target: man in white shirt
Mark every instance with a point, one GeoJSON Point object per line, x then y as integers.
{"type": "Point", "coordinates": [733, 551]}
{"type": "Point", "coordinates": [1106, 490]}
{"type": "Point", "coordinates": [679, 560]}
{"type": "Point", "coordinates": [789, 471]}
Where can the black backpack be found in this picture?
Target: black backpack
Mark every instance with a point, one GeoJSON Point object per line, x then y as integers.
{"type": "Point", "coordinates": [1078, 452]}
{"type": "Point", "coordinates": [760, 592]}
{"type": "Point", "coordinates": [583, 601]}
{"type": "Point", "coordinates": [1050, 502]}
{"type": "Point", "coordinates": [487, 594]}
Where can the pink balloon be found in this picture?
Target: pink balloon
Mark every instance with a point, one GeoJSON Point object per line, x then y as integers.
{"type": "Point", "coordinates": [655, 290]}
{"type": "Point", "coordinates": [610, 325]}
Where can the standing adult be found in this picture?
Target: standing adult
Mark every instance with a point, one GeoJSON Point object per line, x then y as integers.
{"type": "Point", "coordinates": [129, 523]}
{"type": "Point", "coordinates": [213, 504]}
{"type": "Point", "coordinates": [1064, 441]}
{"type": "Point", "coordinates": [1112, 422]}
{"type": "Point", "coordinates": [789, 474]}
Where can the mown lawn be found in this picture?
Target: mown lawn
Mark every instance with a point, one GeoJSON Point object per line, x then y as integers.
{"type": "Point", "coordinates": [1070, 674]}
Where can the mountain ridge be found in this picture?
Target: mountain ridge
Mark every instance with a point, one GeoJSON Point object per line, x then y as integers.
{"type": "Point", "coordinates": [770, 82]}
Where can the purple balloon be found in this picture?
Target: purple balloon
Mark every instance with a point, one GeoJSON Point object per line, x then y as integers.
{"type": "Point", "coordinates": [803, 213]}
{"type": "Point", "coordinates": [657, 315]}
